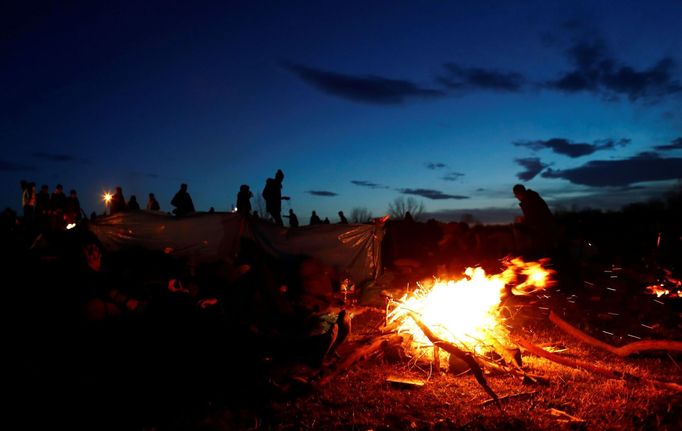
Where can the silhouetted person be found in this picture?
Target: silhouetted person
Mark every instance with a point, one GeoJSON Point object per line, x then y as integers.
{"type": "Point", "coordinates": [73, 207]}
{"type": "Point", "coordinates": [24, 195]}
{"type": "Point", "coordinates": [293, 219]}
{"type": "Point", "coordinates": [537, 222]}
{"type": "Point", "coordinates": [58, 200]}
{"type": "Point", "coordinates": [315, 219]}
{"type": "Point", "coordinates": [42, 209]}
{"type": "Point", "coordinates": [326, 221]}
{"type": "Point", "coordinates": [342, 218]}
{"type": "Point", "coordinates": [408, 217]}
{"type": "Point", "coordinates": [133, 205]}
{"type": "Point", "coordinates": [28, 200]}
{"type": "Point", "coordinates": [272, 193]}
{"type": "Point", "coordinates": [152, 203]}
{"type": "Point", "coordinates": [244, 200]}
{"type": "Point", "coordinates": [182, 202]}
{"type": "Point", "coordinates": [117, 204]}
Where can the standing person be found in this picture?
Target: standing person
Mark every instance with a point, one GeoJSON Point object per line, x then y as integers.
{"type": "Point", "coordinates": [42, 209]}
{"type": "Point", "coordinates": [28, 200]}
{"type": "Point", "coordinates": [244, 200]}
{"type": "Point", "coordinates": [342, 218]}
{"type": "Point", "coordinates": [293, 219]}
{"type": "Point", "coordinates": [58, 207]}
{"type": "Point", "coordinates": [182, 202]}
{"type": "Point", "coordinates": [73, 208]}
{"type": "Point", "coordinates": [152, 203]}
{"type": "Point", "coordinates": [24, 193]}
{"type": "Point", "coordinates": [58, 201]}
{"type": "Point", "coordinates": [133, 205]}
{"type": "Point", "coordinates": [272, 193]}
{"type": "Point", "coordinates": [537, 222]}
{"type": "Point", "coordinates": [315, 219]}
{"type": "Point", "coordinates": [118, 202]}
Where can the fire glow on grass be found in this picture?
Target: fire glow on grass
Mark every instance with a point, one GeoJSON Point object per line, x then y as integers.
{"type": "Point", "coordinates": [466, 312]}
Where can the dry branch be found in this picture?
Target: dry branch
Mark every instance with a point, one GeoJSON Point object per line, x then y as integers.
{"type": "Point", "coordinates": [361, 353]}
{"type": "Point", "coordinates": [608, 372]}
{"type": "Point", "coordinates": [623, 351]}
{"type": "Point", "coordinates": [459, 353]}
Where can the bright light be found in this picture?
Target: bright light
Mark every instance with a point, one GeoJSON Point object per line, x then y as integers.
{"type": "Point", "coordinates": [466, 312]}
{"type": "Point", "coordinates": [70, 226]}
{"type": "Point", "coordinates": [106, 197]}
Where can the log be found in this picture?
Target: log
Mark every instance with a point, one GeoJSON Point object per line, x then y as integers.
{"type": "Point", "coordinates": [622, 351]}
{"type": "Point", "coordinates": [574, 363]}
{"type": "Point", "coordinates": [459, 353]}
{"type": "Point", "coordinates": [361, 353]}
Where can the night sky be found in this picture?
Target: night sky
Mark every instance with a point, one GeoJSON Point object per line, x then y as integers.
{"type": "Point", "coordinates": [359, 103]}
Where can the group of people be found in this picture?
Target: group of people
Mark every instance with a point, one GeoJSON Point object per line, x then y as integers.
{"type": "Point", "coordinates": [182, 202]}
{"type": "Point", "coordinates": [536, 225]}
{"type": "Point", "coordinates": [44, 209]}
{"type": "Point", "coordinates": [272, 194]}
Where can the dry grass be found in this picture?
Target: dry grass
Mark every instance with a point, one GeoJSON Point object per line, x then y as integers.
{"type": "Point", "coordinates": [361, 399]}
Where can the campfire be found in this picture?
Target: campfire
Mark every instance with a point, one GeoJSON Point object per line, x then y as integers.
{"type": "Point", "coordinates": [467, 312]}
{"type": "Point", "coordinates": [474, 323]}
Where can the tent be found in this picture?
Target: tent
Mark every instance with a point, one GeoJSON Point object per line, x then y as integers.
{"type": "Point", "coordinates": [206, 237]}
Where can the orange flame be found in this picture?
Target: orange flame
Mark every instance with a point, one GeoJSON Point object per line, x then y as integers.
{"type": "Point", "coordinates": [466, 312]}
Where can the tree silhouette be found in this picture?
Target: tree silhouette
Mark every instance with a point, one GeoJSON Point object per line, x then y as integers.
{"type": "Point", "coordinates": [360, 215]}
{"type": "Point", "coordinates": [400, 206]}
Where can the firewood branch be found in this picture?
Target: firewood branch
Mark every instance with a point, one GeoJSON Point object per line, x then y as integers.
{"type": "Point", "coordinates": [623, 351]}
{"type": "Point", "coordinates": [361, 353]}
{"type": "Point", "coordinates": [459, 353]}
{"type": "Point", "coordinates": [587, 366]}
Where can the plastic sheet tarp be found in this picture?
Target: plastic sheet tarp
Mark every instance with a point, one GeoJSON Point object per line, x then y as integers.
{"type": "Point", "coordinates": [205, 237]}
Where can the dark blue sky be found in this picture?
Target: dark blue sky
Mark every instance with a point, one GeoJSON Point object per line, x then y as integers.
{"type": "Point", "coordinates": [357, 102]}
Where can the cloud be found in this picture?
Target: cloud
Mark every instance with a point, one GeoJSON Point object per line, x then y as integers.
{"type": "Point", "coordinates": [367, 88]}
{"type": "Point", "coordinates": [6, 166]}
{"type": "Point", "coordinates": [572, 149]}
{"type": "Point", "coordinates": [452, 176]}
{"type": "Point", "coordinates": [533, 167]}
{"type": "Point", "coordinates": [435, 165]}
{"type": "Point", "coordinates": [597, 72]}
{"type": "Point", "coordinates": [430, 194]}
{"type": "Point", "coordinates": [675, 144]}
{"type": "Point", "coordinates": [640, 168]}
{"type": "Point", "coordinates": [53, 157]}
{"type": "Point", "coordinates": [321, 193]}
{"type": "Point", "coordinates": [476, 78]}
{"type": "Point", "coordinates": [368, 184]}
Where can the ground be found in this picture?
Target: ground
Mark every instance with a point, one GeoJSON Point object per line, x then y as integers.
{"type": "Point", "coordinates": [204, 373]}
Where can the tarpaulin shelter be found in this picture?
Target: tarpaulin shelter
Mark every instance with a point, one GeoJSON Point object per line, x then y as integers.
{"type": "Point", "coordinates": [204, 237]}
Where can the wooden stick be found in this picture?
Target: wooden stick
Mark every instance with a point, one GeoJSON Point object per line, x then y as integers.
{"type": "Point", "coordinates": [574, 363]}
{"type": "Point", "coordinates": [623, 351]}
{"type": "Point", "coordinates": [361, 353]}
{"type": "Point", "coordinates": [461, 354]}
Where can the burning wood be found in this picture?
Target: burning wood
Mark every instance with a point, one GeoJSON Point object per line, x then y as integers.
{"type": "Point", "coordinates": [466, 313]}
{"type": "Point", "coordinates": [462, 318]}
